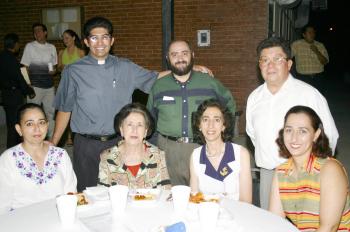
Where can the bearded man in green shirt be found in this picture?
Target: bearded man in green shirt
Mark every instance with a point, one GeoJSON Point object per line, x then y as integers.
{"type": "Point", "coordinates": [172, 101]}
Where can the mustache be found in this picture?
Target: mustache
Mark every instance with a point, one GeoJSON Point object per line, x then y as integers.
{"type": "Point", "coordinates": [181, 62]}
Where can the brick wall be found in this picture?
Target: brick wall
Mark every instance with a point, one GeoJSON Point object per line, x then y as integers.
{"type": "Point", "coordinates": [236, 27]}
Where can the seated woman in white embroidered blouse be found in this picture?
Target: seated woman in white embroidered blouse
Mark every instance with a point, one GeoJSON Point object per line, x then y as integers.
{"type": "Point", "coordinates": [33, 170]}
{"type": "Point", "coordinates": [219, 166]}
{"type": "Point", "coordinates": [134, 162]}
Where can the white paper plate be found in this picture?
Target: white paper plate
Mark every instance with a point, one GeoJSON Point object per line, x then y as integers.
{"type": "Point", "coordinates": [93, 209]}
{"type": "Point", "coordinates": [98, 193]}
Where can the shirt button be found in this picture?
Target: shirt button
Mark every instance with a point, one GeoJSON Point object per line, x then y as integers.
{"type": "Point", "coordinates": [182, 86]}
{"type": "Point", "coordinates": [185, 116]}
{"type": "Point", "coordinates": [184, 132]}
{"type": "Point", "coordinates": [184, 100]}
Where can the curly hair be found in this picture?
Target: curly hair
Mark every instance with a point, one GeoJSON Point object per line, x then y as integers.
{"type": "Point", "coordinates": [226, 135]}
{"type": "Point", "coordinates": [134, 108]}
{"type": "Point", "coordinates": [320, 147]}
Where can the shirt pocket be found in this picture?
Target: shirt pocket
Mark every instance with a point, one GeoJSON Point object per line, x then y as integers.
{"type": "Point", "coordinates": [168, 108]}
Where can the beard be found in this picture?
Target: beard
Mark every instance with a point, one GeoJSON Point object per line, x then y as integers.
{"type": "Point", "coordinates": [183, 70]}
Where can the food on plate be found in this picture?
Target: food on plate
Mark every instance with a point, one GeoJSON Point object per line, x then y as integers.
{"type": "Point", "coordinates": [146, 195]}
{"type": "Point", "coordinates": [200, 197]}
{"type": "Point", "coordinates": [197, 198]}
{"type": "Point", "coordinates": [81, 198]}
{"type": "Point", "coordinates": [141, 197]}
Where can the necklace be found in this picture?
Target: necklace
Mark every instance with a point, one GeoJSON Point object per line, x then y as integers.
{"type": "Point", "coordinates": [219, 154]}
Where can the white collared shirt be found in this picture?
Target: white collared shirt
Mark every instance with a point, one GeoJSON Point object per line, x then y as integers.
{"type": "Point", "coordinates": [265, 117]}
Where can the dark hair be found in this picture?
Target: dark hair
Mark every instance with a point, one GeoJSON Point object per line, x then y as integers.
{"type": "Point", "coordinates": [72, 33]}
{"type": "Point", "coordinates": [10, 40]}
{"type": "Point", "coordinates": [227, 135]}
{"type": "Point", "coordinates": [39, 25]}
{"type": "Point", "coordinates": [304, 29]}
{"type": "Point", "coordinates": [97, 22]}
{"type": "Point", "coordinates": [176, 41]}
{"type": "Point", "coordinates": [275, 42]}
{"type": "Point", "coordinates": [134, 108]}
{"type": "Point", "coordinates": [320, 148]}
{"type": "Point", "coordinates": [28, 106]}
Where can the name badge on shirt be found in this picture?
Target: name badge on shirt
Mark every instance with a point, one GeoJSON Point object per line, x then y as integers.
{"type": "Point", "coordinates": [167, 98]}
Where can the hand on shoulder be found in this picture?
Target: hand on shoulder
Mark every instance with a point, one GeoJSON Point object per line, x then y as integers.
{"type": "Point", "coordinates": [203, 69]}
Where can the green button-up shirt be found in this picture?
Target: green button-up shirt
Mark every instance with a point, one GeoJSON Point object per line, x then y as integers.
{"type": "Point", "coordinates": [172, 102]}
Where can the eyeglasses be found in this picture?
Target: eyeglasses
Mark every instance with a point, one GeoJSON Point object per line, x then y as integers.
{"type": "Point", "coordinates": [95, 38]}
{"type": "Point", "coordinates": [264, 61]}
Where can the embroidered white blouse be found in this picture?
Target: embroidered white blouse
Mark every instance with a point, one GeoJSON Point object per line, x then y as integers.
{"type": "Point", "coordinates": [22, 183]}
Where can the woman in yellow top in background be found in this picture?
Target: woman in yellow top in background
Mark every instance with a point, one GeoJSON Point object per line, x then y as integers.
{"type": "Point", "coordinates": [69, 55]}
{"type": "Point", "coordinates": [73, 50]}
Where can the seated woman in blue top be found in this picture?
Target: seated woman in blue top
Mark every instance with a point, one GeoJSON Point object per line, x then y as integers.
{"type": "Point", "coordinates": [33, 170]}
{"type": "Point", "coordinates": [219, 166]}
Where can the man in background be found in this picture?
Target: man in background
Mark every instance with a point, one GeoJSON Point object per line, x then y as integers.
{"type": "Point", "coordinates": [12, 85]}
{"type": "Point", "coordinates": [40, 58]}
{"type": "Point", "coordinates": [310, 57]}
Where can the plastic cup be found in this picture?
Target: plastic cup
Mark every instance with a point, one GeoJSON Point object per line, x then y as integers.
{"type": "Point", "coordinates": [208, 216]}
{"type": "Point", "coordinates": [67, 208]}
{"type": "Point", "coordinates": [181, 196]}
{"type": "Point", "coordinates": [50, 66]}
{"type": "Point", "coordinates": [118, 195]}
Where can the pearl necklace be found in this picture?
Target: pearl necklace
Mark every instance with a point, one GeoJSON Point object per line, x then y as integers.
{"type": "Point", "coordinates": [214, 155]}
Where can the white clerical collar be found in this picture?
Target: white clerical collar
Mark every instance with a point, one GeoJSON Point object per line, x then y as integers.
{"type": "Point", "coordinates": [100, 62]}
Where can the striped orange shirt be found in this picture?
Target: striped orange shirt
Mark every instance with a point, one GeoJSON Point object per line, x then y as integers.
{"type": "Point", "coordinates": [300, 196]}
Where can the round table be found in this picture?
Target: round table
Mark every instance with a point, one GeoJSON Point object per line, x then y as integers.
{"type": "Point", "coordinates": [140, 218]}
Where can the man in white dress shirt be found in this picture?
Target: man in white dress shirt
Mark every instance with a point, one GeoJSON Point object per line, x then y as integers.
{"type": "Point", "coordinates": [268, 104]}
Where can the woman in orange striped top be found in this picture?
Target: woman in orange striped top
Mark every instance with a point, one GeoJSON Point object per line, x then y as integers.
{"type": "Point", "coordinates": [310, 188]}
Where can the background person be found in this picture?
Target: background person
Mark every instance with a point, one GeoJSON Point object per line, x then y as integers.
{"type": "Point", "coordinates": [73, 49]}
{"type": "Point", "coordinates": [310, 188]}
{"type": "Point", "coordinates": [12, 85]}
{"type": "Point", "coordinates": [134, 162]}
{"type": "Point", "coordinates": [219, 166]}
{"type": "Point", "coordinates": [39, 57]}
{"type": "Point", "coordinates": [72, 52]}
{"type": "Point", "coordinates": [310, 57]}
{"type": "Point", "coordinates": [267, 105]}
{"type": "Point", "coordinates": [33, 171]}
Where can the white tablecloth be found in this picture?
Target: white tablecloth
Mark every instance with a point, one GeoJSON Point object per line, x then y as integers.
{"type": "Point", "coordinates": [43, 217]}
